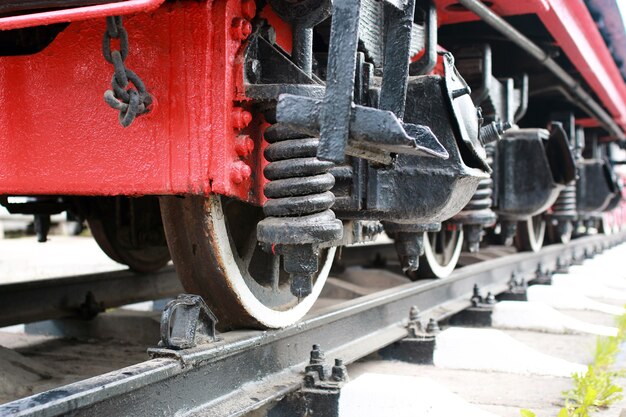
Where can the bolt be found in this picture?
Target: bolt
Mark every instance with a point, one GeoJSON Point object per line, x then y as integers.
{"type": "Point", "coordinates": [414, 313]}
{"type": "Point", "coordinates": [339, 372]}
{"type": "Point", "coordinates": [493, 132]}
{"type": "Point", "coordinates": [476, 297]}
{"type": "Point", "coordinates": [317, 356]}
{"type": "Point", "coordinates": [461, 92]}
{"type": "Point", "coordinates": [240, 29]}
{"type": "Point", "coordinates": [513, 281]}
{"type": "Point", "coordinates": [316, 363]}
{"type": "Point", "coordinates": [539, 271]}
{"type": "Point", "coordinates": [240, 172]}
{"type": "Point", "coordinates": [432, 327]}
{"type": "Point", "coordinates": [248, 9]}
{"type": "Point", "coordinates": [240, 118]}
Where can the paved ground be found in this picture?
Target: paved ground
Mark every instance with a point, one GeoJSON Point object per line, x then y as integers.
{"type": "Point", "coordinates": [23, 259]}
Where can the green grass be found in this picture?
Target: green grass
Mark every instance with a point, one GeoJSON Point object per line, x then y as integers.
{"type": "Point", "coordinates": [596, 389]}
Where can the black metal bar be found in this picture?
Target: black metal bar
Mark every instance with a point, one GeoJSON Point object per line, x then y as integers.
{"type": "Point", "coordinates": [523, 107]}
{"type": "Point", "coordinates": [335, 117]}
{"type": "Point", "coordinates": [398, 26]}
{"type": "Point", "coordinates": [30, 301]}
{"type": "Point", "coordinates": [302, 50]}
{"type": "Point", "coordinates": [249, 369]}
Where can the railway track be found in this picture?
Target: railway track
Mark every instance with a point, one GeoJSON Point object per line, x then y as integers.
{"type": "Point", "coordinates": [246, 370]}
{"type": "Point", "coordinates": [82, 295]}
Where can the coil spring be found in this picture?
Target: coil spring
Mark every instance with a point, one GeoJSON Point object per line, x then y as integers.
{"type": "Point", "coordinates": [482, 198]}
{"type": "Point", "coordinates": [565, 204]}
{"type": "Point", "coordinates": [299, 183]}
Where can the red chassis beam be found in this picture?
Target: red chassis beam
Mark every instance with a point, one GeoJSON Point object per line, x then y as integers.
{"type": "Point", "coordinates": [571, 25]}
{"type": "Point", "coordinates": [77, 13]}
{"type": "Point", "coordinates": [57, 136]}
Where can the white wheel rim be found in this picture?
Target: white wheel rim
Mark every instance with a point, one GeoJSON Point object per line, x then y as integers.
{"type": "Point", "coordinates": [255, 308]}
{"type": "Point", "coordinates": [438, 269]}
{"type": "Point", "coordinates": [535, 239]}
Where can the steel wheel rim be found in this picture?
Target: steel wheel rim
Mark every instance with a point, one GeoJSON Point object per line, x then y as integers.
{"type": "Point", "coordinates": [142, 261]}
{"type": "Point", "coordinates": [265, 315]}
{"type": "Point", "coordinates": [537, 229]}
{"type": "Point", "coordinates": [227, 290]}
{"type": "Point", "coordinates": [534, 230]}
{"type": "Point", "coordinates": [277, 285]}
{"type": "Point", "coordinates": [442, 252]}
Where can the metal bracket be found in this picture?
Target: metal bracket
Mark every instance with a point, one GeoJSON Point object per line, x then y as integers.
{"type": "Point", "coordinates": [368, 128]}
{"type": "Point", "coordinates": [577, 259]}
{"type": "Point", "coordinates": [368, 131]}
{"type": "Point", "coordinates": [320, 393]}
{"type": "Point", "coordinates": [517, 290]}
{"type": "Point", "coordinates": [543, 276]}
{"type": "Point", "coordinates": [186, 322]}
{"type": "Point", "coordinates": [562, 265]}
{"type": "Point", "coordinates": [479, 314]}
{"type": "Point", "coordinates": [419, 346]}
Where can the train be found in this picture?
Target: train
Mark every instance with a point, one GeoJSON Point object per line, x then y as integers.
{"type": "Point", "coordinates": [252, 141]}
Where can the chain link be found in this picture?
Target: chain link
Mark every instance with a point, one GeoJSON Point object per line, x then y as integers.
{"type": "Point", "coordinates": [128, 100]}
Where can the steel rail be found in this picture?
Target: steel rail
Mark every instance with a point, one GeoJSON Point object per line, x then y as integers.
{"type": "Point", "coordinates": [587, 103]}
{"type": "Point", "coordinates": [30, 301]}
{"type": "Point", "coordinates": [248, 370]}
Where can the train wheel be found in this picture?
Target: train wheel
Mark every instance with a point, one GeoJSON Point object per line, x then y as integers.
{"type": "Point", "coordinates": [214, 247]}
{"type": "Point", "coordinates": [441, 254]}
{"type": "Point", "coordinates": [112, 236]}
{"type": "Point", "coordinates": [530, 234]}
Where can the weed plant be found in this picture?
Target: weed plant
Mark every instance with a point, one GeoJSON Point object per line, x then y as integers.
{"type": "Point", "coordinates": [596, 389]}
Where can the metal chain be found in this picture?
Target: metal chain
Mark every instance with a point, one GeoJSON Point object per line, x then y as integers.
{"type": "Point", "coordinates": [128, 100]}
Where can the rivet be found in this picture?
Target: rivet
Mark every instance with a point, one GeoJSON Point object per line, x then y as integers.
{"type": "Point", "coordinates": [240, 28]}
{"type": "Point", "coordinates": [240, 172]}
{"type": "Point", "coordinates": [244, 146]}
{"type": "Point", "coordinates": [248, 9]}
{"type": "Point", "coordinates": [241, 118]}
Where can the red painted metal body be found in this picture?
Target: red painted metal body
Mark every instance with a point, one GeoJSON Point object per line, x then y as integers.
{"type": "Point", "coordinates": [57, 136]}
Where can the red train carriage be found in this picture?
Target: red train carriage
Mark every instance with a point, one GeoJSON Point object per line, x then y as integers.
{"type": "Point", "coordinates": [249, 139]}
